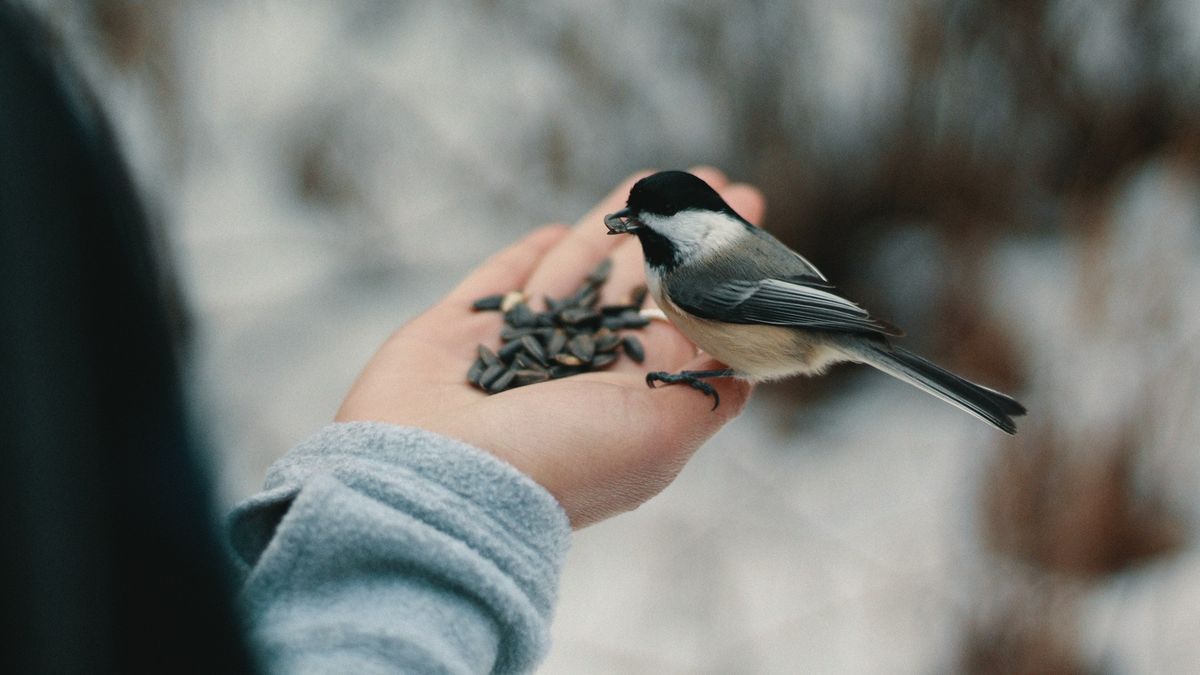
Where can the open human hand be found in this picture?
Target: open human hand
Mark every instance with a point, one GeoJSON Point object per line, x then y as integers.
{"type": "Point", "coordinates": [600, 442]}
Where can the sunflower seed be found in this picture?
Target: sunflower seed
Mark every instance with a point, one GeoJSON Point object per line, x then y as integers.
{"type": "Point", "coordinates": [608, 341]}
{"type": "Point", "coordinates": [584, 297]}
{"type": "Point", "coordinates": [600, 274]}
{"type": "Point", "coordinates": [503, 382]}
{"type": "Point", "coordinates": [582, 346]}
{"type": "Point", "coordinates": [511, 299]}
{"type": "Point", "coordinates": [509, 333]}
{"type": "Point", "coordinates": [476, 370]}
{"type": "Point", "coordinates": [556, 342]}
{"type": "Point", "coordinates": [637, 297]}
{"type": "Point", "coordinates": [486, 303]}
{"type": "Point", "coordinates": [613, 322]}
{"type": "Point", "coordinates": [602, 360]}
{"type": "Point", "coordinates": [578, 315]}
{"type": "Point", "coordinates": [559, 371]}
{"type": "Point", "coordinates": [633, 348]}
{"type": "Point", "coordinates": [520, 316]}
{"type": "Point", "coordinates": [489, 376]}
{"type": "Point", "coordinates": [568, 359]}
{"type": "Point", "coordinates": [524, 361]}
{"type": "Point", "coordinates": [634, 320]}
{"type": "Point", "coordinates": [525, 377]}
{"type": "Point", "coordinates": [489, 357]}
{"type": "Point", "coordinates": [510, 349]}
{"type": "Point", "coordinates": [574, 335]}
{"type": "Point", "coordinates": [534, 349]}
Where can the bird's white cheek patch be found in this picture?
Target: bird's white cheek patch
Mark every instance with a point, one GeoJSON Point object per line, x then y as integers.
{"type": "Point", "coordinates": [696, 233]}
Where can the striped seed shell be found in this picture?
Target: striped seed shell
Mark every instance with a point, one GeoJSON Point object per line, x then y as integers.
{"type": "Point", "coordinates": [488, 302]}
{"type": "Point", "coordinates": [534, 349]}
{"type": "Point", "coordinates": [606, 340]}
{"type": "Point", "coordinates": [520, 316]}
{"type": "Point", "coordinates": [558, 371]}
{"type": "Point", "coordinates": [475, 371]}
{"type": "Point", "coordinates": [568, 359]}
{"type": "Point", "coordinates": [634, 320]}
{"type": "Point", "coordinates": [503, 382]}
{"type": "Point", "coordinates": [613, 322]}
{"type": "Point", "coordinates": [524, 361]}
{"type": "Point", "coordinates": [489, 357]}
{"type": "Point", "coordinates": [602, 360]}
{"type": "Point", "coordinates": [525, 377]}
{"type": "Point", "coordinates": [637, 297]}
{"type": "Point", "coordinates": [509, 350]}
{"type": "Point", "coordinates": [633, 347]}
{"type": "Point", "coordinates": [600, 274]}
{"type": "Point", "coordinates": [582, 346]}
{"type": "Point", "coordinates": [509, 333]}
{"type": "Point", "coordinates": [556, 342]}
{"type": "Point", "coordinates": [490, 375]}
{"type": "Point", "coordinates": [511, 299]}
{"type": "Point", "coordinates": [577, 315]}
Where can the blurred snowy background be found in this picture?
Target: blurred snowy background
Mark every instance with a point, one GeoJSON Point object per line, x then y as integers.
{"type": "Point", "coordinates": [1018, 184]}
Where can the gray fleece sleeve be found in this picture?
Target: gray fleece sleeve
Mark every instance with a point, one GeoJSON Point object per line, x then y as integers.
{"type": "Point", "coordinates": [381, 549]}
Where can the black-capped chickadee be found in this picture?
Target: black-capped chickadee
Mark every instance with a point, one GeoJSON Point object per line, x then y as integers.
{"type": "Point", "coordinates": [760, 308]}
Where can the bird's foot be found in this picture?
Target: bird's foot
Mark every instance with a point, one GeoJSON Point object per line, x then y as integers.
{"type": "Point", "coordinates": [693, 379]}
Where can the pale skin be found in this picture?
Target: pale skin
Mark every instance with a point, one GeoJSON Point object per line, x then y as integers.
{"type": "Point", "coordinates": [602, 443]}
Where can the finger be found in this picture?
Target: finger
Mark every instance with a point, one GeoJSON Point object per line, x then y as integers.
{"type": "Point", "coordinates": [747, 201]}
{"type": "Point", "coordinates": [510, 268]}
{"type": "Point", "coordinates": [581, 250]}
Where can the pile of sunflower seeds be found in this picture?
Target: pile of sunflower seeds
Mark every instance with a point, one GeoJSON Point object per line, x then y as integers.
{"type": "Point", "coordinates": [574, 335]}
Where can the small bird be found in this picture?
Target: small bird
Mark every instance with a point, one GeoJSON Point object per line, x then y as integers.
{"type": "Point", "coordinates": [760, 308]}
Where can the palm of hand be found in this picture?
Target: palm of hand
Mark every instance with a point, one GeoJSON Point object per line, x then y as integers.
{"type": "Point", "coordinates": [600, 442]}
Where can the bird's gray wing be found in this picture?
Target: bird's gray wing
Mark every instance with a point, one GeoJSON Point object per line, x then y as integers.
{"type": "Point", "coordinates": [802, 270]}
{"type": "Point", "coordinates": [777, 302]}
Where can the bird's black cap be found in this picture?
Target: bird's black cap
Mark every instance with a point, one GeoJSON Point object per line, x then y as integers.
{"type": "Point", "coordinates": [669, 192]}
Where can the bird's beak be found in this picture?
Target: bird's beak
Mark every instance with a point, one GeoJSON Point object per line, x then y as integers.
{"type": "Point", "coordinates": [617, 226]}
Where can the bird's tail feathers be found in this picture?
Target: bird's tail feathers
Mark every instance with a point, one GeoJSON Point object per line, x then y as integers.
{"type": "Point", "coordinates": [987, 404]}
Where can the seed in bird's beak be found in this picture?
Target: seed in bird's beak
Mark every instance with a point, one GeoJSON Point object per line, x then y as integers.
{"type": "Point", "coordinates": [617, 226]}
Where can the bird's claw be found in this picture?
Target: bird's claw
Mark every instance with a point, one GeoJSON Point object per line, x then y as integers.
{"type": "Point", "coordinates": [687, 378]}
